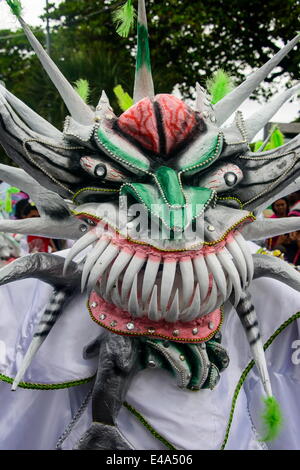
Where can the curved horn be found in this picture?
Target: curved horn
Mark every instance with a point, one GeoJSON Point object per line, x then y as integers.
{"type": "Point", "coordinates": [230, 103]}
{"type": "Point", "coordinates": [143, 84]}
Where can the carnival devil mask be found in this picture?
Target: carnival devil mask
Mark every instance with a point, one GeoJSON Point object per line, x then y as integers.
{"type": "Point", "coordinates": [189, 188]}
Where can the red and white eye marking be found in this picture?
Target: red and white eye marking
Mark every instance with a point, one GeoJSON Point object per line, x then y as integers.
{"type": "Point", "coordinates": [222, 178]}
{"type": "Point", "coordinates": [102, 169]}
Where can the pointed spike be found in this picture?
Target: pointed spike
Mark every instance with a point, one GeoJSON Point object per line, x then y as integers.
{"type": "Point", "coordinates": [248, 257]}
{"type": "Point", "coordinates": [150, 274]}
{"type": "Point", "coordinates": [192, 312]}
{"type": "Point", "coordinates": [201, 275]}
{"type": "Point", "coordinates": [173, 313]}
{"type": "Point", "coordinates": [133, 268]}
{"type": "Point", "coordinates": [226, 261]}
{"type": "Point", "coordinates": [211, 303]}
{"type": "Point", "coordinates": [259, 119]}
{"type": "Point", "coordinates": [218, 273]}
{"type": "Point", "coordinates": [238, 259]}
{"type": "Point", "coordinates": [231, 102]}
{"type": "Point", "coordinates": [187, 275]}
{"type": "Point", "coordinates": [101, 265]}
{"type": "Point", "coordinates": [47, 321]}
{"type": "Point", "coordinates": [120, 263]}
{"type": "Point", "coordinates": [79, 110]}
{"type": "Point", "coordinates": [168, 277]}
{"type": "Point", "coordinates": [153, 311]}
{"type": "Point", "coordinates": [143, 85]}
{"type": "Point", "coordinates": [80, 245]}
{"type": "Point", "coordinates": [91, 259]}
{"type": "Point", "coordinates": [133, 303]}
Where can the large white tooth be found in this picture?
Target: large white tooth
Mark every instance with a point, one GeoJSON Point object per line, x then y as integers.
{"type": "Point", "coordinates": [238, 259]}
{"type": "Point", "coordinates": [193, 311]}
{"type": "Point", "coordinates": [218, 273]}
{"type": "Point", "coordinates": [133, 268]}
{"type": "Point", "coordinates": [173, 312]}
{"type": "Point", "coordinates": [168, 276]}
{"type": "Point", "coordinates": [153, 312]}
{"type": "Point", "coordinates": [187, 275]}
{"type": "Point", "coordinates": [202, 275]}
{"type": "Point", "coordinates": [120, 263]}
{"type": "Point", "coordinates": [80, 245]}
{"type": "Point", "coordinates": [103, 262]}
{"type": "Point", "coordinates": [227, 263]}
{"type": "Point", "coordinates": [150, 274]}
{"type": "Point", "coordinates": [133, 303]}
{"type": "Point", "coordinates": [211, 303]}
{"type": "Point", "coordinates": [246, 252]}
{"type": "Point", "coordinates": [115, 296]}
{"type": "Point", "coordinates": [91, 259]}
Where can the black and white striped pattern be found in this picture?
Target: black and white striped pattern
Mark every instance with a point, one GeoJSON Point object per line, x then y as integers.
{"type": "Point", "coordinates": [54, 308]}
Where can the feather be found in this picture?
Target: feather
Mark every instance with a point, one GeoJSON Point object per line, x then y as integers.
{"type": "Point", "coordinates": [219, 86]}
{"type": "Point", "coordinates": [124, 18]}
{"type": "Point", "coordinates": [272, 419]}
{"type": "Point", "coordinates": [125, 101]}
{"type": "Point", "coordinates": [83, 89]}
{"type": "Point", "coordinates": [15, 6]}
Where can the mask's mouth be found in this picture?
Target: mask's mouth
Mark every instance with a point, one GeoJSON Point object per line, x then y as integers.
{"type": "Point", "coordinates": [165, 286]}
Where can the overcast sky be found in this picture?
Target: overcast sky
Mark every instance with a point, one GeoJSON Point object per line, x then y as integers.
{"type": "Point", "coordinates": [34, 8]}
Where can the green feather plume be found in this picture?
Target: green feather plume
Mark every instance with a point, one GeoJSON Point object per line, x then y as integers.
{"type": "Point", "coordinates": [219, 85]}
{"type": "Point", "coordinates": [83, 89]}
{"type": "Point", "coordinates": [124, 18]}
{"type": "Point", "coordinates": [272, 419]}
{"type": "Point", "coordinates": [125, 101]}
{"type": "Point", "coordinates": [277, 138]}
{"type": "Point", "coordinates": [15, 6]}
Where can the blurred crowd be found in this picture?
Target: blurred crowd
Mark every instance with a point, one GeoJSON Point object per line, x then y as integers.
{"type": "Point", "coordinates": [14, 205]}
{"type": "Point", "coordinates": [288, 244]}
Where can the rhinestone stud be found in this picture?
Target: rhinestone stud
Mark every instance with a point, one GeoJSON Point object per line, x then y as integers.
{"type": "Point", "coordinates": [130, 326]}
{"type": "Point", "coordinates": [181, 357]}
{"type": "Point", "coordinates": [94, 304]}
{"type": "Point", "coordinates": [113, 323]}
{"type": "Point", "coordinates": [176, 333]}
{"type": "Point", "coordinates": [102, 316]}
{"type": "Point", "coordinates": [195, 331]}
{"type": "Point", "coordinates": [83, 228]}
{"type": "Point", "coordinates": [151, 331]}
{"type": "Point", "coordinates": [211, 325]}
{"type": "Point", "coordinates": [151, 364]}
{"type": "Point", "coordinates": [211, 228]}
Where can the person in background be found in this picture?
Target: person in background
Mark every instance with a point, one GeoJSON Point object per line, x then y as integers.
{"type": "Point", "coordinates": [25, 210]}
{"type": "Point", "coordinates": [280, 209]}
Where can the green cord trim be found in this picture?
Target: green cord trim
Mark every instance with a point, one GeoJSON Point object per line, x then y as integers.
{"type": "Point", "coordinates": [148, 426]}
{"type": "Point", "coordinates": [37, 386]}
{"type": "Point", "coordinates": [246, 372]}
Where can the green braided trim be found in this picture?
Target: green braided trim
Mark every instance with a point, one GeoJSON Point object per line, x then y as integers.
{"type": "Point", "coordinates": [246, 372]}
{"type": "Point", "coordinates": [38, 386]}
{"type": "Point", "coordinates": [148, 426]}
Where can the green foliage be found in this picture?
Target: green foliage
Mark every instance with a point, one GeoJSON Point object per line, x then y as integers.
{"type": "Point", "coordinates": [15, 6]}
{"type": "Point", "coordinates": [219, 85]}
{"type": "Point", "coordinates": [272, 419]}
{"type": "Point", "coordinates": [124, 18]}
{"type": "Point", "coordinates": [83, 89]}
{"type": "Point", "coordinates": [125, 101]}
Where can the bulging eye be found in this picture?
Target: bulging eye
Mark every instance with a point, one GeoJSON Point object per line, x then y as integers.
{"type": "Point", "coordinates": [102, 169]}
{"type": "Point", "coordinates": [221, 178]}
{"type": "Point", "coordinates": [230, 178]}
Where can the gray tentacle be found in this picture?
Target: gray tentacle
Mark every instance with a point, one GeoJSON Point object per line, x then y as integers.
{"type": "Point", "coordinates": [118, 362]}
{"type": "Point", "coordinates": [276, 268]}
{"type": "Point", "coordinates": [44, 266]}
